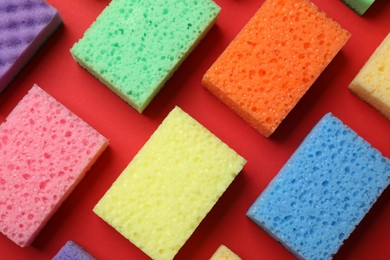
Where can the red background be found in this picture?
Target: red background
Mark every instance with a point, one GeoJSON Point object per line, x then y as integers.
{"type": "Point", "coordinates": [55, 71]}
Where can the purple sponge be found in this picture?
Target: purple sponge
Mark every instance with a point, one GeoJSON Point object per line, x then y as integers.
{"type": "Point", "coordinates": [24, 27]}
{"type": "Point", "coordinates": [72, 251]}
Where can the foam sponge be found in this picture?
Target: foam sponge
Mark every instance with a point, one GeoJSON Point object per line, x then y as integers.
{"type": "Point", "coordinates": [45, 151]}
{"type": "Point", "coordinates": [224, 253]}
{"type": "Point", "coordinates": [24, 27]}
{"type": "Point", "coordinates": [372, 83]}
{"type": "Point", "coordinates": [323, 191]}
{"type": "Point", "coordinates": [135, 46]}
{"type": "Point", "coordinates": [359, 6]}
{"type": "Point", "coordinates": [72, 251]}
{"type": "Point", "coordinates": [274, 60]}
{"type": "Point", "coordinates": [170, 185]}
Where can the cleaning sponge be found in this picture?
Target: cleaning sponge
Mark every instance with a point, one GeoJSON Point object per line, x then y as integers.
{"type": "Point", "coordinates": [323, 191]}
{"type": "Point", "coordinates": [45, 150]}
{"type": "Point", "coordinates": [274, 60]}
{"type": "Point", "coordinates": [135, 46]}
{"type": "Point", "coordinates": [72, 251]}
{"type": "Point", "coordinates": [359, 6]}
{"type": "Point", "coordinates": [372, 83]}
{"type": "Point", "coordinates": [24, 26]}
{"type": "Point", "coordinates": [170, 186]}
{"type": "Point", "coordinates": [224, 253]}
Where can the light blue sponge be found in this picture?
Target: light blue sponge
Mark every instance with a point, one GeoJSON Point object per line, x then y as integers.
{"type": "Point", "coordinates": [323, 191]}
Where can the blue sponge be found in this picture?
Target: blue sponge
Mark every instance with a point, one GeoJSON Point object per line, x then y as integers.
{"type": "Point", "coordinates": [72, 251]}
{"type": "Point", "coordinates": [323, 191]}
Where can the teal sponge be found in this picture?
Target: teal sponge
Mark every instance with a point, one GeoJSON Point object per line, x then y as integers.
{"type": "Point", "coordinates": [135, 46]}
{"type": "Point", "coordinates": [359, 6]}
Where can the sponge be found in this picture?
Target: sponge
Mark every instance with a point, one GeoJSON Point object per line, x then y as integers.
{"type": "Point", "coordinates": [359, 6]}
{"type": "Point", "coordinates": [224, 253]}
{"type": "Point", "coordinates": [24, 27]}
{"type": "Point", "coordinates": [323, 191]}
{"type": "Point", "coordinates": [170, 185]}
{"type": "Point", "coordinates": [372, 83]}
{"type": "Point", "coordinates": [45, 151]}
{"type": "Point", "coordinates": [274, 60]}
{"type": "Point", "coordinates": [135, 46]}
{"type": "Point", "coordinates": [72, 251]}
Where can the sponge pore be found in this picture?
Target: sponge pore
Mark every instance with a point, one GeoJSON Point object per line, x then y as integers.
{"type": "Point", "coordinates": [372, 83]}
{"type": "Point", "coordinates": [169, 187]}
{"type": "Point", "coordinates": [135, 46]}
{"type": "Point", "coordinates": [323, 191]}
{"type": "Point", "coordinates": [45, 150]}
{"type": "Point", "coordinates": [72, 251]}
{"type": "Point", "coordinates": [274, 60]}
{"type": "Point", "coordinates": [24, 26]}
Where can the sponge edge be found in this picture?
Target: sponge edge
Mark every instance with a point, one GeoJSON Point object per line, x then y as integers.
{"type": "Point", "coordinates": [170, 185]}
{"type": "Point", "coordinates": [274, 60]}
{"type": "Point", "coordinates": [72, 251]}
{"type": "Point", "coordinates": [323, 191]}
{"type": "Point", "coordinates": [359, 6]}
{"type": "Point", "coordinates": [224, 253]}
{"type": "Point", "coordinates": [135, 55]}
{"type": "Point", "coordinates": [371, 84]}
{"type": "Point", "coordinates": [45, 152]}
{"type": "Point", "coordinates": [24, 26]}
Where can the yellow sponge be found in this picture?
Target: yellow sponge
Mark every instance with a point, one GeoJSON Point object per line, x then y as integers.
{"type": "Point", "coordinates": [169, 187]}
{"type": "Point", "coordinates": [372, 83]}
{"type": "Point", "coordinates": [224, 253]}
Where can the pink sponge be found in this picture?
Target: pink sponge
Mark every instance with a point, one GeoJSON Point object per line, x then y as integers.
{"type": "Point", "coordinates": [45, 150]}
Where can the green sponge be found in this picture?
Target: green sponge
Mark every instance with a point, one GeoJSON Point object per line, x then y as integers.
{"type": "Point", "coordinates": [133, 47]}
{"type": "Point", "coordinates": [170, 186]}
{"type": "Point", "coordinates": [359, 6]}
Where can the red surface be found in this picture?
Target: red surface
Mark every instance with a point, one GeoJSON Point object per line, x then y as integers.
{"type": "Point", "coordinates": [55, 71]}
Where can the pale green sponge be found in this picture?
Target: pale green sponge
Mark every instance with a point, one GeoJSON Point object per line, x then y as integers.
{"type": "Point", "coordinates": [134, 46]}
{"type": "Point", "coordinates": [170, 185]}
{"type": "Point", "coordinates": [359, 6]}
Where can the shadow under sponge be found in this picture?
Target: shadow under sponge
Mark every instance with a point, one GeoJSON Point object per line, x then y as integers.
{"type": "Point", "coordinates": [323, 191]}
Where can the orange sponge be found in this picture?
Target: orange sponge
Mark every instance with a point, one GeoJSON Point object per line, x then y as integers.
{"type": "Point", "coordinates": [274, 60]}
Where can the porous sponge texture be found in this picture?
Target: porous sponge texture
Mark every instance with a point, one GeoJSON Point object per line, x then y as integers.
{"type": "Point", "coordinates": [323, 191]}
{"type": "Point", "coordinates": [359, 6]}
{"type": "Point", "coordinates": [24, 27]}
{"type": "Point", "coordinates": [224, 253]}
{"type": "Point", "coordinates": [135, 46]}
{"type": "Point", "coordinates": [372, 83]}
{"type": "Point", "coordinates": [170, 185]}
{"type": "Point", "coordinates": [72, 251]}
{"type": "Point", "coordinates": [45, 150]}
{"type": "Point", "coordinates": [274, 60]}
